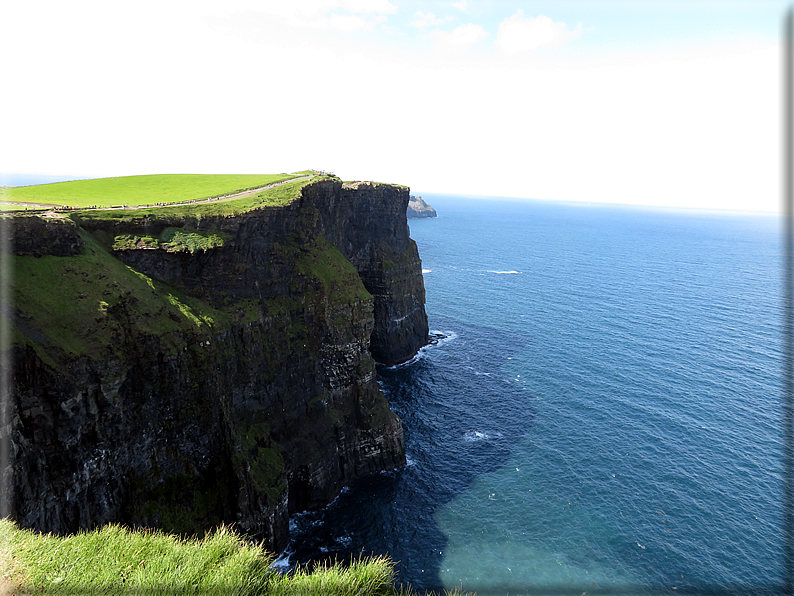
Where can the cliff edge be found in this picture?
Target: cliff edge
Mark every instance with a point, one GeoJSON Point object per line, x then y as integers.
{"type": "Point", "coordinates": [182, 369]}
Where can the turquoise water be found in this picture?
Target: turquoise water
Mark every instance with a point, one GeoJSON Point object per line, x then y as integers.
{"type": "Point", "coordinates": [599, 414]}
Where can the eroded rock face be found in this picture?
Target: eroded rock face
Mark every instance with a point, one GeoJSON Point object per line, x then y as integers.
{"type": "Point", "coordinates": [369, 225]}
{"type": "Point", "coordinates": [262, 404]}
{"type": "Point", "coordinates": [46, 235]}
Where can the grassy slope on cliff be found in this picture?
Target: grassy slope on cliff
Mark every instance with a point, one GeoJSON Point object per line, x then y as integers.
{"type": "Point", "coordinates": [67, 301]}
{"type": "Point", "coordinates": [76, 304]}
{"type": "Point", "coordinates": [113, 560]}
{"type": "Point", "coordinates": [139, 190]}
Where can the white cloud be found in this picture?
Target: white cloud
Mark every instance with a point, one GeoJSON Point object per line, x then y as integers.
{"type": "Point", "coordinates": [348, 22]}
{"type": "Point", "coordinates": [369, 6]}
{"type": "Point", "coordinates": [462, 36]}
{"type": "Point", "coordinates": [422, 19]}
{"type": "Point", "coordinates": [460, 5]}
{"type": "Point", "coordinates": [691, 127]}
{"type": "Point", "coordinates": [314, 8]}
{"type": "Point", "coordinates": [313, 14]}
{"type": "Point", "coordinates": [325, 15]}
{"type": "Point", "coordinates": [521, 34]}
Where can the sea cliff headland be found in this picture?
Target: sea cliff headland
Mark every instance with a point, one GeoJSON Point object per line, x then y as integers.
{"type": "Point", "coordinates": [179, 367]}
{"type": "Point", "coordinates": [418, 208]}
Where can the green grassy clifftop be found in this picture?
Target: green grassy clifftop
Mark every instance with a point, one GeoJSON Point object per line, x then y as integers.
{"type": "Point", "coordinates": [136, 191]}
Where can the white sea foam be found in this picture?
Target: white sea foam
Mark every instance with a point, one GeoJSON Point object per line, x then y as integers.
{"type": "Point", "coordinates": [344, 540]}
{"type": "Point", "coordinates": [298, 522]}
{"type": "Point", "coordinates": [470, 436]}
{"type": "Point", "coordinates": [282, 564]}
{"type": "Point", "coordinates": [504, 272]}
{"type": "Point", "coordinates": [418, 356]}
{"type": "Point", "coordinates": [427, 271]}
{"type": "Point", "coordinates": [436, 338]}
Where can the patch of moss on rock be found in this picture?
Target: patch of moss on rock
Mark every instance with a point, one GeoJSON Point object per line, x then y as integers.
{"type": "Point", "coordinates": [134, 241]}
{"type": "Point", "coordinates": [190, 240]}
{"type": "Point", "coordinates": [337, 277]}
{"type": "Point", "coordinates": [262, 460]}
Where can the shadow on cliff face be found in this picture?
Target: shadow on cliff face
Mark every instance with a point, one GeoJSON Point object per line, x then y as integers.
{"type": "Point", "coordinates": [462, 415]}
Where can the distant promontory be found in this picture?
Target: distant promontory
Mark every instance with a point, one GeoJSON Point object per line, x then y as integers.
{"type": "Point", "coordinates": [417, 208]}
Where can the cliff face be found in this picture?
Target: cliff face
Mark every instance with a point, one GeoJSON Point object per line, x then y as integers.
{"type": "Point", "coordinates": [368, 224]}
{"type": "Point", "coordinates": [180, 372]}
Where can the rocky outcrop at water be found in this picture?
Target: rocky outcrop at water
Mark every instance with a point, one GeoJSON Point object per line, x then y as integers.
{"type": "Point", "coordinates": [179, 372]}
{"type": "Point", "coordinates": [418, 208]}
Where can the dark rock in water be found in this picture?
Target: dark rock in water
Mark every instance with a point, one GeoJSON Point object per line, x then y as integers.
{"type": "Point", "coordinates": [163, 385]}
{"type": "Point", "coordinates": [418, 208]}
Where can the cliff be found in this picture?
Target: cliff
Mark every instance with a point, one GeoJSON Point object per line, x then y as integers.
{"type": "Point", "coordinates": [179, 371]}
{"type": "Point", "coordinates": [418, 208]}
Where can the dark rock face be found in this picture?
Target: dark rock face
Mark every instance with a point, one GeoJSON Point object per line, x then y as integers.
{"type": "Point", "coordinates": [51, 235]}
{"type": "Point", "coordinates": [418, 208]}
{"type": "Point", "coordinates": [271, 409]}
{"type": "Point", "coordinates": [369, 225]}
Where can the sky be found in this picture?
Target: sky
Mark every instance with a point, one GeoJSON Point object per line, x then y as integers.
{"type": "Point", "coordinates": [674, 103]}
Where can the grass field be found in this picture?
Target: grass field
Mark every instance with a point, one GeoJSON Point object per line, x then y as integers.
{"type": "Point", "coordinates": [115, 560]}
{"type": "Point", "coordinates": [139, 190]}
{"type": "Point", "coordinates": [282, 194]}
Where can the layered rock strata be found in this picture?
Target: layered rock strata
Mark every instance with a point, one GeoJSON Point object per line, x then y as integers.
{"type": "Point", "coordinates": [179, 372]}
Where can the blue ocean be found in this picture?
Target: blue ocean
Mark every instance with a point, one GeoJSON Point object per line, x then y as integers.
{"type": "Point", "coordinates": [599, 413]}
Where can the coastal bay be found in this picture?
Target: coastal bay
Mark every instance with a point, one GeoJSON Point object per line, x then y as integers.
{"type": "Point", "coordinates": [602, 413]}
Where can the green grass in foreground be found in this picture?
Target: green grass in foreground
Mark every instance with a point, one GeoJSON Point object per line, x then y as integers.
{"type": "Point", "coordinates": [114, 560]}
{"type": "Point", "coordinates": [138, 190]}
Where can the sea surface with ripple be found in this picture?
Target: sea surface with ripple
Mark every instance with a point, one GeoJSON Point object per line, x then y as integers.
{"type": "Point", "coordinates": [600, 411]}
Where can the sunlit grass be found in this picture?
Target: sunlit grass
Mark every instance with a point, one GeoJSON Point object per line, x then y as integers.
{"type": "Point", "coordinates": [138, 190]}
{"type": "Point", "coordinates": [69, 301]}
{"type": "Point", "coordinates": [282, 194]}
{"type": "Point", "coordinates": [114, 560]}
